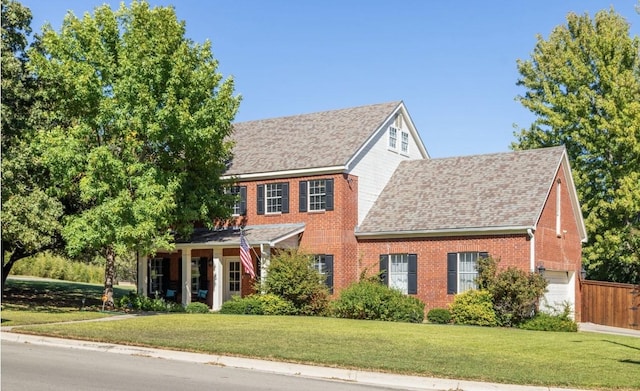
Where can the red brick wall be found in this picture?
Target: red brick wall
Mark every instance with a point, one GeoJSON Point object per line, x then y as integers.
{"type": "Point", "coordinates": [563, 252]}
{"type": "Point", "coordinates": [328, 232]}
{"type": "Point", "coordinates": [512, 250]}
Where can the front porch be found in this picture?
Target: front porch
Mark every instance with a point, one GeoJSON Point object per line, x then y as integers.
{"type": "Point", "coordinates": [207, 267]}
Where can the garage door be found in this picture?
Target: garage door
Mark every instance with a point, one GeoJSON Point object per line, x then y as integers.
{"type": "Point", "coordinates": [560, 290]}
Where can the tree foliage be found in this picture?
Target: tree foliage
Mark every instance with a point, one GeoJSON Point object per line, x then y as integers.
{"type": "Point", "coordinates": [135, 130]}
{"type": "Point", "coordinates": [583, 84]}
{"type": "Point", "coordinates": [30, 216]}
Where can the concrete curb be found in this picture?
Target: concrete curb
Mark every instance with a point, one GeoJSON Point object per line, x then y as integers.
{"type": "Point", "coordinates": [309, 371]}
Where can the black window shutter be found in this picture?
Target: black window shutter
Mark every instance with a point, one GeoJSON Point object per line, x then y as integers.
{"type": "Point", "coordinates": [303, 196]}
{"type": "Point", "coordinates": [452, 273]}
{"type": "Point", "coordinates": [260, 205]}
{"type": "Point", "coordinates": [166, 273]}
{"type": "Point", "coordinates": [329, 194]}
{"type": "Point", "coordinates": [285, 197]}
{"type": "Point", "coordinates": [328, 261]}
{"type": "Point", "coordinates": [243, 200]}
{"type": "Point", "coordinates": [384, 266]}
{"type": "Point", "coordinates": [204, 280]}
{"type": "Point", "coordinates": [413, 274]}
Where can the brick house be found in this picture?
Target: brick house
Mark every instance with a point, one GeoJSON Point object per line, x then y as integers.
{"type": "Point", "coordinates": [356, 188]}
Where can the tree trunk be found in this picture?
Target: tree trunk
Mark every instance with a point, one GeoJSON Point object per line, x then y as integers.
{"type": "Point", "coordinates": [109, 276]}
{"type": "Point", "coordinates": [16, 255]}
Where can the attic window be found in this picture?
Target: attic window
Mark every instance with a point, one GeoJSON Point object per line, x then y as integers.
{"type": "Point", "coordinates": [393, 137]}
{"type": "Point", "coordinates": [404, 142]}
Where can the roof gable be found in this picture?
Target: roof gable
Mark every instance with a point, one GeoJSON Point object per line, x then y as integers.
{"type": "Point", "coordinates": [303, 142]}
{"type": "Point", "coordinates": [471, 193]}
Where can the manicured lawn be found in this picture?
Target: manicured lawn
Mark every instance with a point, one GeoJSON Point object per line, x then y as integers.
{"type": "Point", "coordinates": [580, 360]}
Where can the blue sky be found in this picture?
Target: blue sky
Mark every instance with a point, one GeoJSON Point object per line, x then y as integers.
{"type": "Point", "coordinates": [452, 63]}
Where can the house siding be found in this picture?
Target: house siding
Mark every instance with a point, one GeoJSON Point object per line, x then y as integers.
{"type": "Point", "coordinates": [377, 163]}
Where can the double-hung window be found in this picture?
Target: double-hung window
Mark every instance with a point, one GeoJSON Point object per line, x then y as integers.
{"type": "Point", "coordinates": [400, 271]}
{"type": "Point", "coordinates": [404, 142]}
{"type": "Point", "coordinates": [323, 263]}
{"type": "Point", "coordinates": [273, 198]}
{"type": "Point", "coordinates": [462, 271]}
{"type": "Point", "coordinates": [316, 195]}
{"type": "Point", "coordinates": [393, 137]}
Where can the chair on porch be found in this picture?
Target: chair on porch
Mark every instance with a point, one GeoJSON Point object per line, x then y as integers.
{"type": "Point", "coordinates": [202, 295]}
{"type": "Point", "coordinates": [172, 292]}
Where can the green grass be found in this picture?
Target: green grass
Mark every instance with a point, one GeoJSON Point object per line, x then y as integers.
{"type": "Point", "coordinates": [580, 360]}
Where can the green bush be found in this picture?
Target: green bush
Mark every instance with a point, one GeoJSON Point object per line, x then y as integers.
{"type": "Point", "coordinates": [439, 315]}
{"type": "Point", "coordinates": [473, 307]}
{"type": "Point", "coordinates": [249, 305]}
{"type": "Point", "coordinates": [197, 308]}
{"type": "Point", "coordinates": [267, 304]}
{"type": "Point", "coordinates": [515, 293]}
{"type": "Point", "coordinates": [291, 276]}
{"type": "Point", "coordinates": [557, 320]}
{"type": "Point", "coordinates": [371, 300]}
{"type": "Point", "coordinates": [134, 301]}
{"type": "Point", "coordinates": [548, 322]}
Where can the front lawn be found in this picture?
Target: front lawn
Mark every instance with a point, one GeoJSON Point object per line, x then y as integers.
{"type": "Point", "coordinates": [579, 360]}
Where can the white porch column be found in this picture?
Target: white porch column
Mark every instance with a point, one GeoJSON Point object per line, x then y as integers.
{"type": "Point", "coordinates": [186, 276]}
{"type": "Point", "coordinates": [218, 281]}
{"type": "Point", "coordinates": [265, 258]}
{"type": "Point", "coordinates": [143, 275]}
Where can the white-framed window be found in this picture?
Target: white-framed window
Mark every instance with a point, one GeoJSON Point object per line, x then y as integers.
{"type": "Point", "coordinates": [273, 197]}
{"type": "Point", "coordinates": [393, 137]}
{"type": "Point", "coordinates": [404, 142]}
{"type": "Point", "coordinates": [462, 271]}
{"type": "Point", "coordinates": [156, 276]}
{"type": "Point", "coordinates": [316, 195]}
{"type": "Point", "coordinates": [400, 271]}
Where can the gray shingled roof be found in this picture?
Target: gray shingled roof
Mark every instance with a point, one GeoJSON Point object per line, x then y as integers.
{"type": "Point", "coordinates": [465, 193]}
{"type": "Point", "coordinates": [255, 234]}
{"type": "Point", "coordinates": [324, 139]}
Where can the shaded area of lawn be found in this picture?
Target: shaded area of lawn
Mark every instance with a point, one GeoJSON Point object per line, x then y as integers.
{"type": "Point", "coordinates": [30, 300]}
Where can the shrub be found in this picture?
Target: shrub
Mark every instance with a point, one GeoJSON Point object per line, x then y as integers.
{"type": "Point", "coordinates": [249, 305]}
{"type": "Point", "coordinates": [291, 276]}
{"type": "Point", "coordinates": [474, 307]}
{"type": "Point", "coordinates": [558, 320]}
{"type": "Point", "coordinates": [197, 308]}
{"type": "Point", "coordinates": [439, 315]}
{"type": "Point", "coordinates": [267, 304]}
{"type": "Point", "coordinates": [371, 300]}
{"type": "Point", "coordinates": [47, 265]}
{"type": "Point", "coordinates": [515, 293]}
{"type": "Point", "coordinates": [134, 301]}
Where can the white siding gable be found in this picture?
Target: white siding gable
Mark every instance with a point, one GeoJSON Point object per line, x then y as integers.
{"type": "Point", "coordinates": [376, 161]}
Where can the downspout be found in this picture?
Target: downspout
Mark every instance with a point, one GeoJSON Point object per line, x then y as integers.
{"type": "Point", "coordinates": [532, 249]}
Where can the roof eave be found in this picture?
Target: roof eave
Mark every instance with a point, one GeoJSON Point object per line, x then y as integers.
{"type": "Point", "coordinates": [286, 173]}
{"type": "Point", "coordinates": [473, 231]}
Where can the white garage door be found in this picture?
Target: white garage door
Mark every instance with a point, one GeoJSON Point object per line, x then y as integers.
{"type": "Point", "coordinates": [560, 290]}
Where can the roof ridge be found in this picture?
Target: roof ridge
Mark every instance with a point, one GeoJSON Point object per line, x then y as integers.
{"type": "Point", "coordinates": [395, 103]}
{"type": "Point", "coordinates": [518, 151]}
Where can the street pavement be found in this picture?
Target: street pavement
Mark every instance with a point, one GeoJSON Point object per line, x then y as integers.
{"type": "Point", "coordinates": [310, 371]}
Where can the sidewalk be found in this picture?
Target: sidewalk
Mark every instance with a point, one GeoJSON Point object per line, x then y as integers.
{"type": "Point", "coordinates": [332, 374]}
{"type": "Point", "coordinates": [598, 328]}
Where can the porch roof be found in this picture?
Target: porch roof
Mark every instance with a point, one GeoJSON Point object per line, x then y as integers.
{"type": "Point", "coordinates": [270, 234]}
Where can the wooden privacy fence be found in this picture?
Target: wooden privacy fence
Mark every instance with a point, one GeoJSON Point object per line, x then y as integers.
{"type": "Point", "coordinates": [611, 304]}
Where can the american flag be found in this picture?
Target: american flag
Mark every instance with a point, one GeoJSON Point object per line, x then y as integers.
{"type": "Point", "coordinates": [245, 256]}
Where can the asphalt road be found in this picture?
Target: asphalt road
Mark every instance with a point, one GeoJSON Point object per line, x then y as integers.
{"type": "Point", "coordinates": [29, 367]}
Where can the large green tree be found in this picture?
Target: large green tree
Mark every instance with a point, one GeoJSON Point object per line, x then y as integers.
{"type": "Point", "coordinates": [30, 216]}
{"type": "Point", "coordinates": [583, 84]}
{"type": "Point", "coordinates": [135, 129]}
